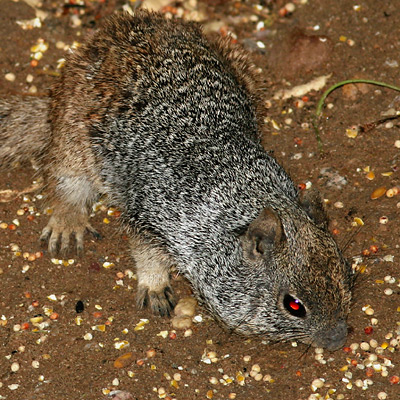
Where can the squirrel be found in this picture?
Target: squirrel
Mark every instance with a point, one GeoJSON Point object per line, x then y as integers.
{"type": "Point", "coordinates": [167, 124]}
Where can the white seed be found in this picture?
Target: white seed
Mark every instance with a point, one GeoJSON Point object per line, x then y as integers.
{"type": "Point", "coordinates": [364, 346]}
{"type": "Point", "coordinates": [14, 367]}
{"type": "Point", "coordinates": [354, 346]}
{"type": "Point", "coordinates": [382, 396]}
{"type": "Point", "coordinates": [177, 377]}
{"type": "Point", "coordinates": [383, 220]}
{"type": "Point", "coordinates": [358, 383]}
{"type": "Point", "coordinates": [10, 77]}
{"type": "Point", "coordinates": [377, 366]}
{"type": "Point", "coordinates": [258, 377]}
{"type": "Point", "coordinates": [256, 368]}
{"type": "Point", "coordinates": [319, 357]}
{"type": "Point", "coordinates": [388, 291]}
{"type": "Point", "coordinates": [369, 311]}
{"type": "Point", "coordinates": [373, 343]}
{"type": "Point", "coordinates": [267, 378]}
{"type": "Point", "coordinates": [290, 7]}
{"type": "Point", "coordinates": [348, 375]}
{"type": "Point", "coordinates": [35, 364]}
{"type": "Point", "coordinates": [317, 384]}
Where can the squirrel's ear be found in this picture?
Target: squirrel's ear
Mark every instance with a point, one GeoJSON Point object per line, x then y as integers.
{"type": "Point", "coordinates": [312, 203]}
{"type": "Point", "coordinates": [262, 235]}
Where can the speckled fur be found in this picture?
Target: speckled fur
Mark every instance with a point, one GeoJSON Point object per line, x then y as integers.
{"type": "Point", "coordinates": [167, 124]}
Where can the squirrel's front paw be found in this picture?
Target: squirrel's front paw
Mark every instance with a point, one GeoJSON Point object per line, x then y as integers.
{"type": "Point", "coordinates": [161, 302]}
{"type": "Point", "coordinates": [61, 227]}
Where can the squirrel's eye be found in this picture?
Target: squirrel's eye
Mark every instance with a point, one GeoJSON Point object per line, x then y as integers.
{"type": "Point", "coordinates": [294, 306]}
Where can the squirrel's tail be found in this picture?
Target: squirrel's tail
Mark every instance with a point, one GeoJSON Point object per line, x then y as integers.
{"type": "Point", "coordinates": [24, 128]}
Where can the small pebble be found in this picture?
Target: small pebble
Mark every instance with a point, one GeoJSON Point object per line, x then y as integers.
{"type": "Point", "coordinates": [181, 322]}
{"type": "Point", "coordinates": [186, 306]}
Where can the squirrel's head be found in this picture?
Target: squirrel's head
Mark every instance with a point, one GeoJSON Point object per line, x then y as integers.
{"type": "Point", "coordinates": [300, 284]}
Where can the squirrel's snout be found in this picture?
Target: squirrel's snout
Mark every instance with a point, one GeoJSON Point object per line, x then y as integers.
{"type": "Point", "coordinates": [334, 338]}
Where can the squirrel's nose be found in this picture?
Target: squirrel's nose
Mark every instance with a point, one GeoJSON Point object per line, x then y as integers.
{"type": "Point", "coordinates": [333, 338]}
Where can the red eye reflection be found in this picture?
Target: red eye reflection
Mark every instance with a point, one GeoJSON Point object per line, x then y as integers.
{"type": "Point", "coordinates": [294, 306]}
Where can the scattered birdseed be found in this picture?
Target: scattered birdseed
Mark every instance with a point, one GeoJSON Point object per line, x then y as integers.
{"type": "Point", "coordinates": [352, 132]}
{"type": "Point", "coordinates": [140, 325]}
{"type": "Point", "coordinates": [163, 334]}
{"type": "Point", "coordinates": [14, 367]}
{"type": "Point", "coordinates": [181, 322]}
{"type": "Point", "coordinates": [88, 336]}
{"type": "Point", "coordinates": [317, 384]}
{"type": "Point", "coordinates": [121, 344]}
{"type": "Point", "coordinates": [10, 77]}
{"type": "Point", "coordinates": [188, 333]}
{"type": "Point", "coordinates": [364, 346]}
{"type": "Point", "coordinates": [383, 220]}
{"type": "Point", "coordinates": [198, 318]}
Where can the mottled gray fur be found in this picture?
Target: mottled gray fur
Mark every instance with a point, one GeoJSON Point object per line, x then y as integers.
{"type": "Point", "coordinates": [167, 124]}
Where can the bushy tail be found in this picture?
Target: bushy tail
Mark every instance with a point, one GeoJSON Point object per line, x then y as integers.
{"type": "Point", "coordinates": [24, 128]}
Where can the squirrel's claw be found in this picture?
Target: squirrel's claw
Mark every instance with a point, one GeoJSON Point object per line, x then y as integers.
{"type": "Point", "coordinates": [58, 232]}
{"type": "Point", "coordinates": [161, 302]}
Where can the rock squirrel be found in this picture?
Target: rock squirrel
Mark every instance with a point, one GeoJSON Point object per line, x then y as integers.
{"type": "Point", "coordinates": [166, 123]}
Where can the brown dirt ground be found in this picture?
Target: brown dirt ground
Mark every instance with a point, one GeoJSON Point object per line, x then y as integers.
{"type": "Point", "coordinates": [354, 39]}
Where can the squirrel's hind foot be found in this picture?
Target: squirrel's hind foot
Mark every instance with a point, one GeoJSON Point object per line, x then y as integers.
{"type": "Point", "coordinates": [161, 302]}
